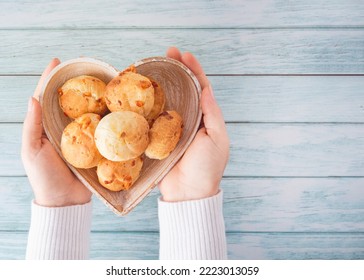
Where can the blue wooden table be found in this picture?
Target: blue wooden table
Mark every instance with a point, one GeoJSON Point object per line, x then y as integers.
{"type": "Point", "coordinates": [289, 76]}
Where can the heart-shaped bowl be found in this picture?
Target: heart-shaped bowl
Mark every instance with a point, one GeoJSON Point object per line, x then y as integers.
{"type": "Point", "coordinates": [182, 91]}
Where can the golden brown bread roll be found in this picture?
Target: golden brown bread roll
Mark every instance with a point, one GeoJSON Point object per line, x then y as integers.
{"type": "Point", "coordinates": [82, 94]}
{"type": "Point", "coordinates": [121, 136]}
{"type": "Point", "coordinates": [119, 175]}
{"type": "Point", "coordinates": [130, 91]}
{"type": "Point", "coordinates": [159, 102]}
{"type": "Point", "coordinates": [164, 135]}
{"type": "Point", "coordinates": [77, 143]}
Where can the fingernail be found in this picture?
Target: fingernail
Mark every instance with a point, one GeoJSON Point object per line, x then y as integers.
{"type": "Point", "coordinates": [211, 91]}
{"type": "Point", "coordinates": [56, 60]}
{"type": "Point", "coordinates": [30, 104]}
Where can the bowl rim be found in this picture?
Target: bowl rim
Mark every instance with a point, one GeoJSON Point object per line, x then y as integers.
{"type": "Point", "coordinates": [73, 61]}
{"type": "Point", "coordinates": [173, 61]}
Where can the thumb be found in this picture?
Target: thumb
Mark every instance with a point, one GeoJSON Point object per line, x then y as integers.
{"type": "Point", "coordinates": [54, 62]}
{"type": "Point", "coordinates": [32, 129]}
{"type": "Point", "coordinates": [212, 115]}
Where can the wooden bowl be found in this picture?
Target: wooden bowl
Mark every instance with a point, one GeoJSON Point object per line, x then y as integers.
{"type": "Point", "coordinates": [182, 91]}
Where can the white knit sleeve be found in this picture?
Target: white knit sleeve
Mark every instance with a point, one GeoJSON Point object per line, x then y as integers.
{"type": "Point", "coordinates": [59, 232]}
{"type": "Point", "coordinates": [192, 229]}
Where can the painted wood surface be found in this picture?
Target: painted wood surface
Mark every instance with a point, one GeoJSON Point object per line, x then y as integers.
{"type": "Point", "coordinates": [257, 150]}
{"type": "Point", "coordinates": [289, 77]}
{"type": "Point", "coordinates": [221, 51]}
{"type": "Point", "coordinates": [244, 98]}
{"type": "Point", "coordinates": [251, 205]}
{"type": "Point", "coordinates": [296, 150]}
{"type": "Point", "coordinates": [251, 246]}
{"type": "Point", "coordinates": [175, 13]}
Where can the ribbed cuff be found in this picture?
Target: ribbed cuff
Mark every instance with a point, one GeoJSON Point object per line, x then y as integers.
{"type": "Point", "coordinates": [192, 229]}
{"type": "Point", "coordinates": [59, 233]}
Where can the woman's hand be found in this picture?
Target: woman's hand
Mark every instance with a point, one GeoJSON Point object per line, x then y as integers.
{"type": "Point", "coordinates": [198, 174]}
{"type": "Point", "coordinates": [52, 181]}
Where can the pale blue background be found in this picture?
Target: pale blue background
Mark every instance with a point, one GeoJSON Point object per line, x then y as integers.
{"type": "Point", "coordinates": [289, 76]}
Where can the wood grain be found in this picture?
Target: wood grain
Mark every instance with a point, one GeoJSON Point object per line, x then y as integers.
{"type": "Point", "coordinates": [243, 98]}
{"type": "Point", "coordinates": [296, 246]}
{"type": "Point", "coordinates": [296, 150]}
{"type": "Point", "coordinates": [10, 147]}
{"type": "Point", "coordinates": [230, 51]}
{"type": "Point", "coordinates": [186, 14]}
{"type": "Point", "coordinates": [289, 134]}
{"type": "Point", "coordinates": [274, 246]}
{"type": "Point", "coordinates": [257, 150]}
{"type": "Point", "coordinates": [250, 205]}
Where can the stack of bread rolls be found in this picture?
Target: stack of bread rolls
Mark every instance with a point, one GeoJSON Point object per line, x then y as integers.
{"type": "Point", "coordinates": [114, 125]}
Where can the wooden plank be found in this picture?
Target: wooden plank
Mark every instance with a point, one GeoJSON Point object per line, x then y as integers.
{"type": "Point", "coordinates": [10, 148]}
{"type": "Point", "coordinates": [229, 51]}
{"type": "Point", "coordinates": [103, 245]}
{"type": "Point", "coordinates": [13, 245]}
{"type": "Point", "coordinates": [14, 98]}
{"type": "Point", "coordinates": [16, 195]}
{"type": "Point", "coordinates": [250, 205]}
{"type": "Point", "coordinates": [296, 150]}
{"type": "Point", "coordinates": [294, 204]}
{"type": "Point", "coordinates": [257, 150]}
{"type": "Point", "coordinates": [290, 99]}
{"type": "Point", "coordinates": [285, 246]}
{"type": "Point", "coordinates": [243, 98]}
{"type": "Point", "coordinates": [217, 14]}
